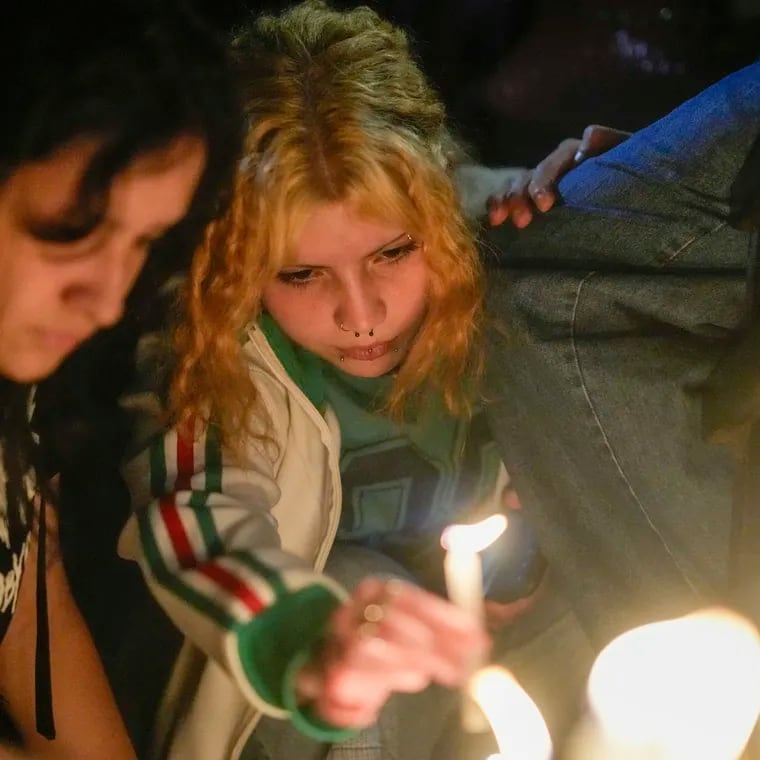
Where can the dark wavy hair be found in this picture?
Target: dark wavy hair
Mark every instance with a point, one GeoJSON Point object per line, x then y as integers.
{"type": "Point", "coordinates": [133, 75]}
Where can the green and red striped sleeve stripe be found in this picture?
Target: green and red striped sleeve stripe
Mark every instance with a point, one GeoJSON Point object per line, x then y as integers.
{"type": "Point", "coordinates": [181, 542]}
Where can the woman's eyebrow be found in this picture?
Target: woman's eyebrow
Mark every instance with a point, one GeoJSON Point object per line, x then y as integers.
{"type": "Point", "coordinates": [403, 237]}
{"type": "Point", "coordinates": [80, 216]}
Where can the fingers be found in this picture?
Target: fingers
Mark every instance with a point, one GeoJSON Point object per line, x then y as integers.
{"type": "Point", "coordinates": [598, 139]}
{"type": "Point", "coordinates": [390, 636]}
{"type": "Point", "coordinates": [550, 171]}
{"type": "Point", "coordinates": [431, 633]}
{"type": "Point", "coordinates": [535, 189]}
{"type": "Point", "coordinates": [516, 203]}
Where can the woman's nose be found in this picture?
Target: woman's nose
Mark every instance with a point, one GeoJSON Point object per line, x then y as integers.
{"type": "Point", "coordinates": [361, 308]}
{"type": "Point", "coordinates": [102, 288]}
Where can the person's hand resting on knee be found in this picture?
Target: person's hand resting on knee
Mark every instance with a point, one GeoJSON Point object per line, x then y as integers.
{"type": "Point", "coordinates": [535, 189]}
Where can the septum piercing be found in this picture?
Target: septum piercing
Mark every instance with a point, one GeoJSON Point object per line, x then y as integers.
{"type": "Point", "coordinates": [356, 333]}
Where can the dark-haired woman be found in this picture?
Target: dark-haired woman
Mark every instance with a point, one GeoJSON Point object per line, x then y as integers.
{"type": "Point", "coordinates": [119, 127]}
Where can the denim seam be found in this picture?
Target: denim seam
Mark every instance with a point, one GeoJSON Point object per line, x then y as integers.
{"type": "Point", "coordinates": [605, 439]}
{"type": "Point", "coordinates": [673, 256]}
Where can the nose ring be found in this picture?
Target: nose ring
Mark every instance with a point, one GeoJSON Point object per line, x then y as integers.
{"type": "Point", "coordinates": [356, 333]}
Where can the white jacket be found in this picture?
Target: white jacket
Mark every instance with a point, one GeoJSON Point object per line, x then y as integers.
{"type": "Point", "coordinates": [283, 499]}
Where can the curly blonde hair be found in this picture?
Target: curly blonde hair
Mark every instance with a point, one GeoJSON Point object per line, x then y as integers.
{"type": "Point", "coordinates": [338, 111]}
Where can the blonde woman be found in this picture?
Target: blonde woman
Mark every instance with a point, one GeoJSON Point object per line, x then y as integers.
{"type": "Point", "coordinates": [325, 405]}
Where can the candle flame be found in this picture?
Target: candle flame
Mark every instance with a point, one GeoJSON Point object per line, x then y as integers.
{"type": "Point", "coordinates": [686, 689]}
{"type": "Point", "coordinates": [517, 723]}
{"type": "Point", "coordinates": [475, 537]}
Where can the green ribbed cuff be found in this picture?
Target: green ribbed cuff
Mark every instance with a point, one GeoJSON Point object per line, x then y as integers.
{"type": "Point", "coordinates": [302, 716]}
{"type": "Point", "coordinates": [278, 642]}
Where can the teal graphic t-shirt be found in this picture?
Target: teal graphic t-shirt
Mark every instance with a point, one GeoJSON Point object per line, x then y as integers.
{"type": "Point", "coordinates": [404, 483]}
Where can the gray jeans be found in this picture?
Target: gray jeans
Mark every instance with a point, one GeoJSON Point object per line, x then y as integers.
{"type": "Point", "coordinates": [615, 308]}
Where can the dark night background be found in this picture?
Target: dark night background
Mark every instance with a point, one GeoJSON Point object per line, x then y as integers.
{"type": "Point", "coordinates": [519, 75]}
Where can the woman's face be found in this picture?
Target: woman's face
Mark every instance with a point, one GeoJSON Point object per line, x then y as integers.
{"type": "Point", "coordinates": [62, 281]}
{"type": "Point", "coordinates": [356, 292]}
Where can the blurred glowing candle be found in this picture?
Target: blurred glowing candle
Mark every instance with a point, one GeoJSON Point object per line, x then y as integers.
{"type": "Point", "coordinates": [684, 689]}
{"type": "Point", "coordinates": [517, 723]}
{"type": "Point", "coordinates": [463, 570]}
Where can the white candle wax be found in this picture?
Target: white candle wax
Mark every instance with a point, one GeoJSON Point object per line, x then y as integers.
{"type": "Point", "coordinates": [462, 565]}
{"type": "Point", "coordinates": [463, 571]}
{"type": "Point", "coordinates": [464, 583]}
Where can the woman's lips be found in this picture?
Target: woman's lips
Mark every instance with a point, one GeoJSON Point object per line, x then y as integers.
{"type": "Point", "coordinates": [367, 353]}
{"type": "Point", "coordinates": [62, 341]}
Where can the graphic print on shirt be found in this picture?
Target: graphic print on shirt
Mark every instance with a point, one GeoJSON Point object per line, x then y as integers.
{"type": "Point", "coordinates": [14, 548]}
{"type": "Point", "coordinates": [11, 569]}
{"type": "Point", "coordinates": [395, 486]}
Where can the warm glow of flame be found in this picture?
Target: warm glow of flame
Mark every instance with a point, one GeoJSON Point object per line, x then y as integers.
{"type": "Point", "coordinates": [680, 689]}
{"type": "Point", "coordinates": [475, 537]}
{"type": "Point", "coordinates": [517, 724]}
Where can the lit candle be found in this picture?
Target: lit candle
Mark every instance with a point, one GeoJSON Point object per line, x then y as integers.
{"type": "Point", "coordinates": [463, 571]}
{"type": "Point", "coordinates": [462, 565]}
{"type": "Point", "coordinates": [684, 689]}
{"type": "Point", "coordinates": [517, 723]}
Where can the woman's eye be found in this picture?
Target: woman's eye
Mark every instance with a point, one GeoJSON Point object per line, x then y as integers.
{"type": "Point", "coordinates": [399, 252]}
{"type": "Point", "coordinates": [74, 249]}
{"type": "Point", "coordinates": [63, 234]}
{"type": "Point", "coordinates": [67, 229]}
{"type": "Point", "coordinates": [297, 276]}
